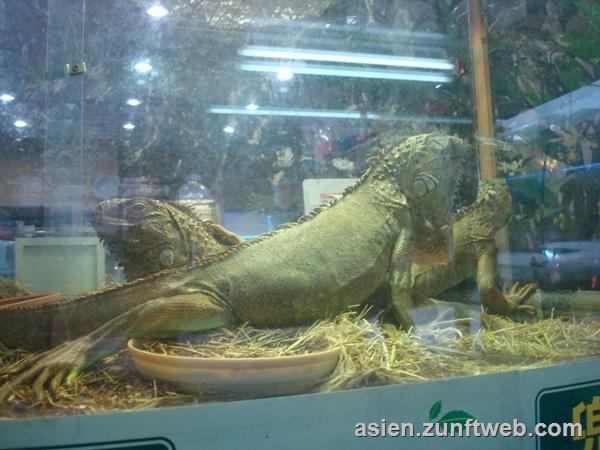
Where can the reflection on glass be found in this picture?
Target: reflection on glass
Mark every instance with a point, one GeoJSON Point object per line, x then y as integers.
{"type": "Point", "coordinates": [262, 111]}
{"type": "Point", "coordinates": [142, 67]}
{"type": "Point", "coordinates": [157, 11]}
{"type": "Point", "coordinates": [285, 74]}
{"type": "Point", "coordinates": [343, 71]}
{"type": "Point", "coordinates": [346, 57]}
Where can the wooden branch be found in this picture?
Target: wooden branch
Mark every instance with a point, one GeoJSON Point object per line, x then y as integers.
{"type": "Point", "coordinates": [482, 89]}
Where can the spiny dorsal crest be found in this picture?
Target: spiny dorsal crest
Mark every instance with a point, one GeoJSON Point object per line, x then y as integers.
{"type": "Point", "coordinates": [186, 209]}
{"type": "Point", "coordinates": [394, 150]}
{"type": "Point", "coordinates": [399, 154]}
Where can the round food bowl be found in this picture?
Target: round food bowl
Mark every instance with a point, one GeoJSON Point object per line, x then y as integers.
{"type": "Point", "coordinates": [249, 376]}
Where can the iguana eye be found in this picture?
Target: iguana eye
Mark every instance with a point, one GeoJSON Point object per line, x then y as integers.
{"type": "Point", "coordinates": [166, 257]}
{"type": "Point", "coordinates": [425, 183]}
{"type": "Point", "coordinates": [136, 209]}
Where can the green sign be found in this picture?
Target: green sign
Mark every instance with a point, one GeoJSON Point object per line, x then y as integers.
{"type": "Point", "coordinates": [136, 444]}
{"type": "Point", "coordinates": [571, 404]}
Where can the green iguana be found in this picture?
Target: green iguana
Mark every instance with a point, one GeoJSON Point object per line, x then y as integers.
{"type": "Point", "coordinates": [148, 236]}
{"type": "Point", "coordinates": [436, 268]}
{"type": "Point", "coordinates": [473, 254]}
{"type": "Point", "coordinates": [570, 304]}
{"type": "Point", "coordinates": [330, 260]}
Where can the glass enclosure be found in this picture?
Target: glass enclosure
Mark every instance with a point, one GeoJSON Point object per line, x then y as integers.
{"type": "Point", "coordinates": [457, 144]}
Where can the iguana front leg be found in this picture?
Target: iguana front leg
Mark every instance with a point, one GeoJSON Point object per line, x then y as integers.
{"type": "Point", "coordinates": [400, 276]}
{"type": "Point", "coordinates": [162, 317]}
{"type": "Point", "coordinates": [498, 301]}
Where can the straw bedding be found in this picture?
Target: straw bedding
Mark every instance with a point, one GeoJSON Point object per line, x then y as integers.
{"type": "Point", "coordinates": [371, 354]}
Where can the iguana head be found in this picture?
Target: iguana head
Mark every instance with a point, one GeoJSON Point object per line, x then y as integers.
{"type": "Point", "coordinates": [145, 235]}
{"type": "Point", "coordinates": [492, 209]}
{"type": "Point", "coordinates": [426, 168]}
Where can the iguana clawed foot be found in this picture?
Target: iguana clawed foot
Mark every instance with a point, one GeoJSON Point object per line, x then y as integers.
{"type": "Point", "coordinates": [53, 366]}
{"type": "Point", "coordinates": [517, 295]}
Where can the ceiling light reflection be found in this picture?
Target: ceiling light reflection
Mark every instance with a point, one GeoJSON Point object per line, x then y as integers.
{"type": "Point", "coordinates": [346, 57]}
{"type": "Point", "coordinates": [285, 74]}
{"type": "Point", "coordinates": [129, 126]}
{"type": "Point", "coordinates": [353, 72]}
{"type": "Point", "coordinates": [143, 67]}
{"type": "Point", "coordinates": [157, 11]}
{"type": "Point", "coordinates": [252, 106]}
{"type": "Point", "coordinates": [6, 98]}
{"type": "Point", "coordinates": [20, 123]}
{"type": "Point", "coordinates": [335, 114]}
{"type": "Point", "coordinates": [229, 129]}
{"type": "Point", "coordinates": [133, 102]}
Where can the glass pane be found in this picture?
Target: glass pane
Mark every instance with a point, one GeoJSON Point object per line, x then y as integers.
{"type": "Point", "coordinates": [181, 138]}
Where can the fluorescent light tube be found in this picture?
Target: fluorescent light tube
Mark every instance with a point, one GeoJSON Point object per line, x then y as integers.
{"type": "Point", "coordinates": [344, 71]}
{"type": "Point", "coordinates": [346, 57]}
{"type": "Point", "coordinates": [334, 114]}
{"type": "Point", "coordinates": [286, 112]}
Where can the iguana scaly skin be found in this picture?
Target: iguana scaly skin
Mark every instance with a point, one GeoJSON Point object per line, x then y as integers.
{"type": "Point", "coordinates": [571, 304]}
{"type": "Point", "coordinates": [148, 235]}
{"type": "Point", "coordinates": [473, 253]}
{"type": "Point", "coordinates": [328, 261]}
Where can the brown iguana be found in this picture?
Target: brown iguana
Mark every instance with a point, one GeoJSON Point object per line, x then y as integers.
{"type": "Point", "coordinates": [147, 236]}
{"type": "Point", "coordinates": [331, 259]}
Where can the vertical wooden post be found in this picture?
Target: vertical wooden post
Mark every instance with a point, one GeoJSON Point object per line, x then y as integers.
{"type": "Point", "coordinates": [482, 92]}
{"type": "Point", "coordinates": [482, 89]}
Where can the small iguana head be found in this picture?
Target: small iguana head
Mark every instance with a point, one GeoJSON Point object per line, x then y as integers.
{"type": "Point", "coordinates": [145, 235]}
{"type": "Point", "coordinates": [427, 168]}
{"type": "Point", "coordinates": [492, 209]}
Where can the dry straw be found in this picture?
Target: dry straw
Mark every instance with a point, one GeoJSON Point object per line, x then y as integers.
{"type": "Point", "coordinates": [371, 354]}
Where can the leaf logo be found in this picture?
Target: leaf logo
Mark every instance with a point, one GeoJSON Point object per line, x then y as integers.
{"type": "Point", "coordinates": [435, 410]}
{"type": "Point", "coordinates": [454, 416]}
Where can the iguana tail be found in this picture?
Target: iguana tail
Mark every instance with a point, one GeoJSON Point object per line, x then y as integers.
{"type": "Point", "coordinates": [574, 303]}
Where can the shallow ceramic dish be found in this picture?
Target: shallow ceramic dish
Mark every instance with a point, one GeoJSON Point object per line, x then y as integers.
{"type": "Point", "coordinates": [254, 376]}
